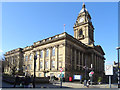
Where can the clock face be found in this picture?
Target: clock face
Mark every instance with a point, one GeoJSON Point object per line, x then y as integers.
{"type": "Point", "coordinates": [81, 19]}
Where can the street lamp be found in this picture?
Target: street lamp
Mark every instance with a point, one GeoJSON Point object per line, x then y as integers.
{"type": "Point", "coordinates": [118, 68]}
{"type": "Point", "coordinates": [35, 57]}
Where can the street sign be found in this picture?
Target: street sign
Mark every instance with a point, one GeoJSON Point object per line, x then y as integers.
{"type": "Point", "coordinates": [77, 77]}
{"type": "Point", "coordinates": [90, 75]}
{"type": "Point", "coordinates": [61, 75]}
{"type": "Point", "coordinates": [92, 72]}
{"type": "Point", "coordinates": [109, 70]}
{"type": "Point", "coordinates": [61, 69]}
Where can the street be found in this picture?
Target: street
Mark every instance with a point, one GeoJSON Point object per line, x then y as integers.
{"type": "Point", "coordinates": [56, 84]}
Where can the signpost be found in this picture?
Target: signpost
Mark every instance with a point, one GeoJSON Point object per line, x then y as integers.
{"type": "Point", "coordinates": [77, 77]}
{"type": "Point", "coordinates": [109, 71]}
{"type": "Point", "coordinates": [61, 76]}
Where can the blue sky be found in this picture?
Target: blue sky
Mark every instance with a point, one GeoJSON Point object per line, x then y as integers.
{"type": "Point", "coordinates": [25, 23]}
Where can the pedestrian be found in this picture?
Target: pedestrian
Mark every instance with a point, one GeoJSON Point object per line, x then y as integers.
{"type": "Point", "coordinates": [16, 81]}
{"type": "Point", "coordinates": [85, 83]}
{"type": "Point", "coordinates": [32, 80]}
{"type": "Point", "coordinates": [26, 81]}
{"type": "Point", "coordinates": [88, 83]}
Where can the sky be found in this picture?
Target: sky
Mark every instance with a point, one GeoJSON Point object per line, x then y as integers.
{"type": "Point", "coordinates": [24, 23]}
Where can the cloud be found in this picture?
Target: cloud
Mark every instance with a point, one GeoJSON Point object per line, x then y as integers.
{"type": "Point", "coordinates": [1, 51]}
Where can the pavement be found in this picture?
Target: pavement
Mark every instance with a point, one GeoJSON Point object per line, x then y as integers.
{"type": "Point", "coordinates": [56, 84]}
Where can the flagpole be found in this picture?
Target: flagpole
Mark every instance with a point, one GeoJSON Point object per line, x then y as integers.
{"type": "Point", "coordinates": [64, 27]}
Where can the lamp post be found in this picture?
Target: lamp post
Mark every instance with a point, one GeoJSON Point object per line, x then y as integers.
{"type": "Point", "coordinates": [118, 68]}
{"type": "Point", "coordinates": [35, 57]}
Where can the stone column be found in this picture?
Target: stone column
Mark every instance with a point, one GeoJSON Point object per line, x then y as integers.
{"type": "Point", "coordinates": [71, 59]}
{"type": "Point", "coordinates": [49, 62]}
{"type": "Point", "coordinates": [64, 56]}
{"type": "Point", "coordinates": [38, 59]}
{"type": "Point", "coordinates": [95, 63]}
{"type": "Point", "coordinates": [44, 59]}
{"type": "Point", "coordinates": [92, 60]}
{"type": "Point", "coordinates": [98, 64]}
{"type": "Point", "coordinates": [56, 57]}
{"type": "Point", "coordinates": [79, 59]}
{"type": "Point", "coordinates": [82, 61]}
{"type": "Point", "coordinates": [75, 59]}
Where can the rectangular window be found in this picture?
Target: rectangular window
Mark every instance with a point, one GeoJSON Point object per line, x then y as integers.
{"type": "Point", "coordinates": [30, 57]}
{"type": "Point", "coordinates": [53, 64]}
{"type": "Point", "coordinates": [26, 58]}
{"type": "Point", "coordinates": [41, 64]}
{"type": "Point", "coordinates": [25, 67]}
{"type": "Point", "coordinates": [60, 64]}
{"type": "Point", "coordinates": [46, 64]}
{"type": "Point", "coordinates": [39, 74]}
{"type": "Point", "coordinates": [37, 54]}
{"type": "Point", "coordinates": [29, 65]}
{"type": "Point", "coordinates": [41, 54]}
{"type": "Point", "coordinates": [53, 51]}
{"type": "Point", "coordinates": [47, 53]}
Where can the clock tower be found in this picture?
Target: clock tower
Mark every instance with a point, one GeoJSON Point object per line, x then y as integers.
{"type": "Point", "coordinates": [83, 28]}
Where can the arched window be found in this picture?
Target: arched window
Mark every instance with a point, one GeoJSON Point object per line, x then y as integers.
{"type": "Point", "coordinates": [80, 32]}
{"type": "Point", "coordinates": [53, 51]}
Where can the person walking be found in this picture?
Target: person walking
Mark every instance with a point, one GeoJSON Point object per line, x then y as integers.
{"type": "Point", "coordinates": [26, 81]}
{"type": "Point", "coordinates": [88, 83]}
{"type": "Point", "coordinates": [16, 81]}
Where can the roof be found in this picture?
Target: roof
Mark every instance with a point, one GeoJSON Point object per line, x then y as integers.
{"type": "Point", "coordinates": [83, 8]}
{"type": "Point", "coordinates": [99, 48]}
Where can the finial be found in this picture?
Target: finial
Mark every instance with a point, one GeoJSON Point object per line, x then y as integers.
{"type": "Point", "coordinates": [83, 5]}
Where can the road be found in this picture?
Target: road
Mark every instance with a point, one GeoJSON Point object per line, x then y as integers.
{"type": "Point", "coordinates": [64, 84]}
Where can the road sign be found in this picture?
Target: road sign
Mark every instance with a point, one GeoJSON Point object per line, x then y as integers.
{"type": "Point", "coordinates": [92, 72]}
{"type": "Point", "coordinates": [109, 70]}
{"type": "Point", "coordinates": [77, 77]}
{"type": "Point", "coordinates": [90, 75]}
{"type": "Point", "coordinates": [61, 75]}
{"type": "Point", "coordinates": [61, 69]}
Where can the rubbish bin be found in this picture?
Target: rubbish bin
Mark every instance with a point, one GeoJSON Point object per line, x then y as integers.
{"type": "Point", "coordinates": [70, 79]}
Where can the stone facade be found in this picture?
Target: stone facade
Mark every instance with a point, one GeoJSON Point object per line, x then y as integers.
{"type": "Point", "coordinates": [73, 54]}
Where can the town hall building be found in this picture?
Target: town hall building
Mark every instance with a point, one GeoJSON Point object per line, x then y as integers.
{"type": "Point", "coordinates": [77, 55]}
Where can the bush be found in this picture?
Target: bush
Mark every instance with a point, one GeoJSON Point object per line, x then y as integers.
{"type": "Point", "coordinates": [99, 79]}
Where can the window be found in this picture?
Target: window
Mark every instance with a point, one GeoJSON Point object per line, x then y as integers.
{"type": "Point", "coordinates": [37, 54]}
{"type": "Point", "coordinates": [60, 64]}
{"type": "Point", "coordinates": [26, 58]}
{"type": "Point", "coordinates": [47, 53]}
{"type": "Point", "coordinates": [46, 64]}
{"type": "Point", "coordinates": [29, 66]}
{"type": "Point", "coordinates": [41, 64]}
{"type": "Point", "coordinates": [25, 67]}
{"type": "Point", "coordinates": [53, 51]}
{"type": "Point", "coordinates": [80, 32]}
{"type": "Point", "coordinates": [53, 64]}
{"type": "Point", "coordinates": [30, 57]}
{"type": "Point", "coordinates": [41, 54]}
{"type": "Point", "coordinates": [39, 74]}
